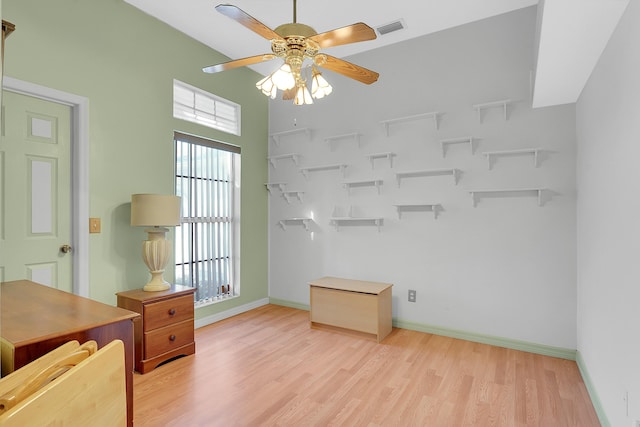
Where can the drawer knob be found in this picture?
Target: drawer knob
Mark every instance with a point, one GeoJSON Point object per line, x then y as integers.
{"type": "Point", "coordinates": [172, 337]}
{"type": "Point", "coordinates": [172, 312]}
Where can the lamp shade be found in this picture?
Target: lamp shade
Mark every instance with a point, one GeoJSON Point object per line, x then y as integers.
{"type": "Point", "coordinates": [151, 210]}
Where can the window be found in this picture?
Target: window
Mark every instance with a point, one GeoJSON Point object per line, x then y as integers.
{"type": "Point", "coordinates": [197, 106]}
{"type": "Point", "coordinates": [208, 180]}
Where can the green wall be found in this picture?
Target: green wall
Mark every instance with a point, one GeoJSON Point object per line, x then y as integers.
{"type": "Point", "coordinates": [124, 62]}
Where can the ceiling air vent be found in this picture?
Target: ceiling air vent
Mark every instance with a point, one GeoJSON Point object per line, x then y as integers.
{"type": "Point", "coordinates": [390, 27]}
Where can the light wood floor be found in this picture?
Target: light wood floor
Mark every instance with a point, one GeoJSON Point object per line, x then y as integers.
{"type": "Point", "coordinates": [266, 367]}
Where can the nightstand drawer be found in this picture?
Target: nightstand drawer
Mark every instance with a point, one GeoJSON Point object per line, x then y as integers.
{"type": "Point", "coordinates": [168, 338]}
{"type": "Point", "coordinates": [167, 312]}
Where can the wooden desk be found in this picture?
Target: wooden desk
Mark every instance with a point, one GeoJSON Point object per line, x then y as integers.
{"type": "Point", "coordinates": [35, 319]}
{"type": "Point", "coordinates": [352, 304]}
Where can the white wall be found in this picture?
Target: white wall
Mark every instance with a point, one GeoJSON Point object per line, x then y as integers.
{"type": "Point", "coordinates": [608, 133]}
{"type": "Point", "coordinates": [505, 268]}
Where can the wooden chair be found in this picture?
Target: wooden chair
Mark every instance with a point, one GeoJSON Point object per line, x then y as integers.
{"type": "Point", "coordinates": [71, 385]}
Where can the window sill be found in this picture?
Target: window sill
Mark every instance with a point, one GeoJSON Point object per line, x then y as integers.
{"type": "Point", "coordinates": [212, 301]}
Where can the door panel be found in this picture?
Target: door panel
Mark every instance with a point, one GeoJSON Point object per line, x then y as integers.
{"type": "Point", "coordinates": [35, 191]}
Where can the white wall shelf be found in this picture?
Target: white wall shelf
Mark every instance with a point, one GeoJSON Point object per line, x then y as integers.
{"type": "Point", "coordinates": [295, 221]}
{"type": "Point", "coordinates": [433, 115]}
{"type": "Point", "coordinates": [435, 208]}
{"type": "Point", "coordinates": [337, 220]}
{"type": "Point", "coordinates": [277, 136]}
{"type": "Point", "coordinates": [535, 152]}
{"type": "Point", "coordinates": [289, 195]}
{"type": "Point", "coordinates": [508, 192]}
{"type": "Point", "coordinates": [347, 220]}
{"type": "Point", "coordinates": [305, 171]}
{"type": "Point", "coordinates": [355, 136]}
{"type": "Point", "coordinates": [444, 143]}
{"type": "Point", "coordinates": [370, 183]}
{"type": "Point", "coordinates": [387, 155]}
{"type": "Point", "coordinates": [274, 159]}
{"type": "Point", "coordinates": [429, 172]}
{"type": "Point", "coordinates": [503, 103]}
{"type": "Point", "coordinates": [277, 185]}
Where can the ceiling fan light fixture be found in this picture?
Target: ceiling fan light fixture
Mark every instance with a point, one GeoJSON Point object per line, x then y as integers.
{"type": "Point", "coordinates": [267, 87]}
{"type": "Point", "coordinates": [283, 77]}
{"type": "Point", "coordinates": [302, 95]}
{"type": "Point", "coordinates": [320, 87]}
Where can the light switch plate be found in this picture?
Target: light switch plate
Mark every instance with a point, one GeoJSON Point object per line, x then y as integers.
{"type": "Point", "coordinates": [94, 225]}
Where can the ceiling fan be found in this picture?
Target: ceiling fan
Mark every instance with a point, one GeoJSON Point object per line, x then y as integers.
{"type": "Point", "coordinates": [295, 43]}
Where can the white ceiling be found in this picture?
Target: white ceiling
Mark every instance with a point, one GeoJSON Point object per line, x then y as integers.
{"type": "Point", "coordinates": [572, 33]}
{"type": "Point", "coordinates": [572, 36]}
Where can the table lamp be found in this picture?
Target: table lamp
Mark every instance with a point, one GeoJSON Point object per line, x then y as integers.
{"type": "Point", "coordinates": [157, 212]}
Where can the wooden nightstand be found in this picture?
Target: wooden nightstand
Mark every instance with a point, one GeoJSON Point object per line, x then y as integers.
{"type": "Point", "coordinates": [165, 329]}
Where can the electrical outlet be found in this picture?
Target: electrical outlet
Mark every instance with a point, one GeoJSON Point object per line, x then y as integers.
{"type": "Point", "coordinates": [412, 295]}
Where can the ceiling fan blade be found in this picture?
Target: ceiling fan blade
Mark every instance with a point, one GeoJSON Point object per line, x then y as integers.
{"type": "Point", "coordinates": [348, 69]}
{"type": "Point", "coordinates": [238, 63]}
{"type": "Point", "coordinates": [351, 34]}
{"type": "Point", "coordinates": [247, 20]}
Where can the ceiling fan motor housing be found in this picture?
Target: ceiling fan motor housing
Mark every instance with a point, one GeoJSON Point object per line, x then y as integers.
{"type": "Point", "coordinates": [295, 44]}
{"type": "Point", "coordinates": [286, 30]}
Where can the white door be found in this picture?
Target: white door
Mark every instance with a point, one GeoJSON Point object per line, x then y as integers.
{"type": "Point", "coordinates": [35, 191]}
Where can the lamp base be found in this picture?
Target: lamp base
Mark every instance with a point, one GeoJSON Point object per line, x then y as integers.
{"type": "Point", "coordinates": [155, 253]}
{"type": "Point", "coordinates": [157, 283]}
{"type": "Point", "coordinates": [156, 288]}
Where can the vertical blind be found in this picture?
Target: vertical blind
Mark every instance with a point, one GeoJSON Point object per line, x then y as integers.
{"type": "Point", "coordinates": [204, 241]}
